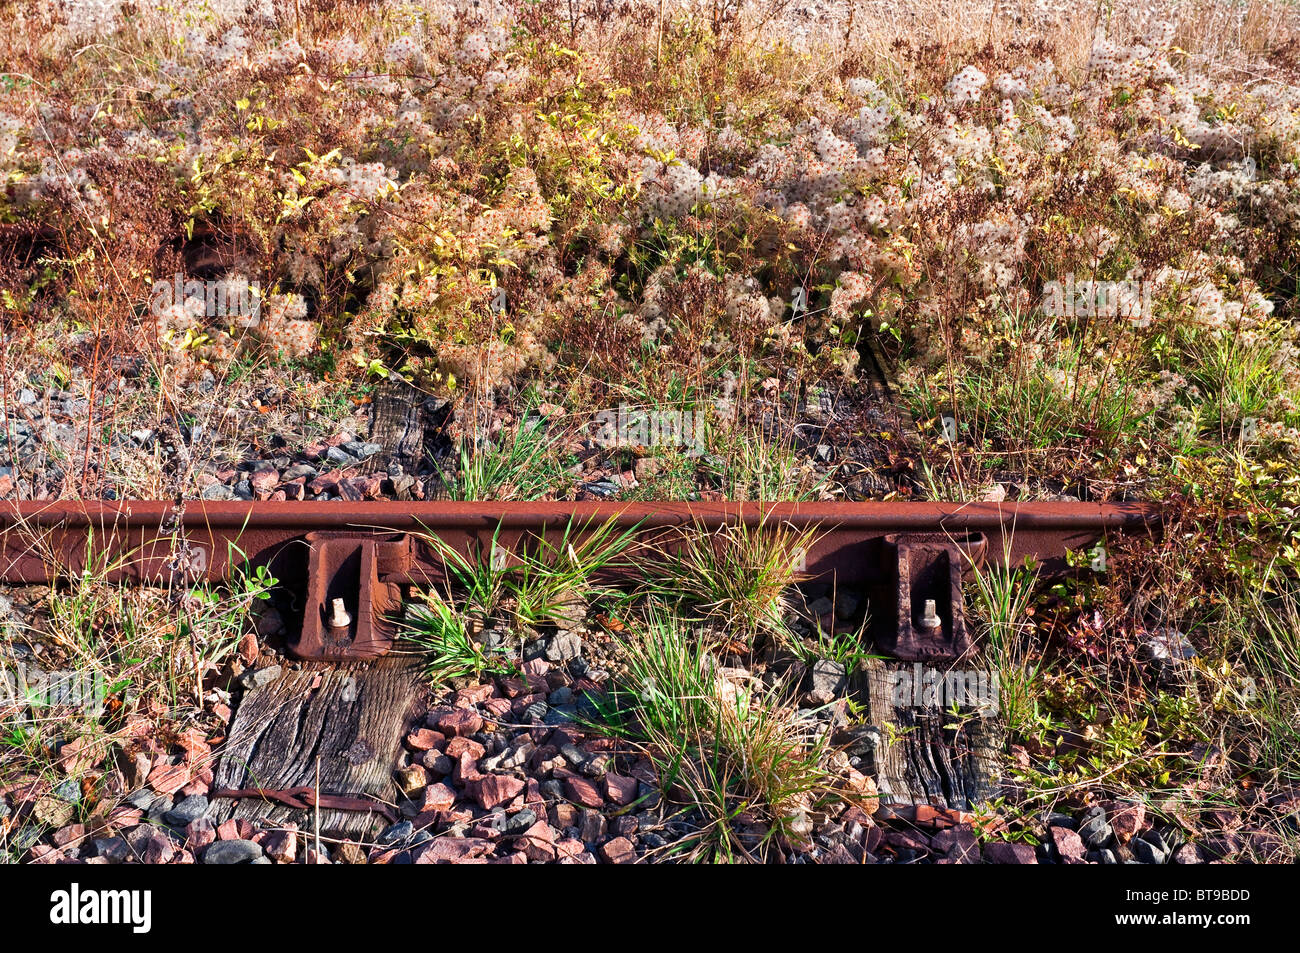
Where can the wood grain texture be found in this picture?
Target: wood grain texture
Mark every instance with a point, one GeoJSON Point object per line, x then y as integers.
{"type": "Point", "coordinates": [406, 422]}
{"type": "Point", "coordinates": [353, 721]}
{"type": "Point", "coordinates": [926, 755]}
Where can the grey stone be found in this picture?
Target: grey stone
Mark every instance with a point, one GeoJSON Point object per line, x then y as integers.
{"type": "Point", "coordinates": [142, 799]}
{"type": "Point", "coordinates": [820, 606]}
{"type": "Point", "coordinates": [1147, 852]}
{"type": "Point", "coordinates": [995, 493]}
{"type": "Point", "coordinates": [537, 710]}
{"type": "Point", "coordinates": [217, 491]}
{"type": "Point", "coordinates": [113, 849]}
{"type": "Point", "coordinates": [438, 764]}
{"type": "Point", "coordinates": [159, 808]}
{"type": "Point", "coordinates": [552, 790]}
{"type": "Point", "coordinates": [569, 613]}
{"type": "Point", "coordinates": [573, 754]}
{"type": "Point", "coordinates": [561, 696]}
{"type": "Point", "coordinates": [1095, 831]}
{"type": "Point", "coordinates": [268, 623]}
{"type": "Point", "coordinates": [51, 812]}
{"type": "Point", "coordinates": [396, 833]}
{"type": "Point", "coordinates": [233, 852]}
{"type": "Point", "coordinates": [1167, 644]}
{"type": "Point", "coordinates": [402, 487]}
{"type": "Point", "coordinates": [561, 715]}
{"type": "Point", "coordinates": [828, 679]}
{"type": "Point", "coordinates": [587, 707]}
{"type": "Point", "coordinates": [188, 809]}
{"type": "Point", "coordinates": [301, 470]}
{"type": "Point", "coordinates": [563, 646]}
{"type": "Point", "coordinates": [518, 822]}
{"type": "Point", "coordinates": [845, 605]}
{"type": "Point", "coordinates": [69, 790]}
{"type": "Point", "coordinates": [647, 796]}
{"type": "Point", "coordinates": [339, 456]}
{"type": "Point", "coordinates": [517, 756]}
{"type": "Point", "coordinates": [257, 677]}
{"type": "Point", "coordinates": [1222, 846]}
{"type": "Point", "coordinates": [593, 827]}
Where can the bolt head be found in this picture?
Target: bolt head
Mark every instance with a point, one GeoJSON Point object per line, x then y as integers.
{"type": "Point", "coordinates": [339, 617]}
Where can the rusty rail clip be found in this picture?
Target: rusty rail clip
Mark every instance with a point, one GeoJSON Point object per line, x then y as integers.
{"type": "Point", "coordinates": [306, 798]}
{"type": "Point", "coordinates": [929, 610]}
{"type": "Point", "coordinates": [348, 601]}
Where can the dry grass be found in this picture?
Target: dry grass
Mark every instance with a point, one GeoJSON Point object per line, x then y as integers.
{"type": "Point", "coordinates": [650, 191]}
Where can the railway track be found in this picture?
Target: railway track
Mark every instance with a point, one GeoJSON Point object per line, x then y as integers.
{"type": "Point", "coordinates": [905, 555]}
{"type": "Point", "coordinates": [333, 724]}
{"type": "Point", "coordinates": [324, 739]}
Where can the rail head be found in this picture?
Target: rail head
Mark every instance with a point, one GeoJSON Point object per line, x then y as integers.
{"type": "Point", "coordinates": [406, 516]}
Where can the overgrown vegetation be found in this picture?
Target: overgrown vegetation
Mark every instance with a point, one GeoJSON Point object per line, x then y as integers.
{"type": "Point", "coordinates": [101, 666]}
{"type": "Point", "coordinates": [736, 578]}
{"type": "Point", "coordinates": [728, 747]}
{"type": "Point", "coordinates": [708, 214]}
{"type": "Point", "coordinates": [1074, 232]}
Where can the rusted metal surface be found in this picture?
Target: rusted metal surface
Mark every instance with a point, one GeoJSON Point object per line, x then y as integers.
{"type": "Point", "coordinates": [903, 554]}
{"type": "Point", "coordinates": [929, 621]}
{"type": "Point", "coordinates": [351, 594]}
{"type": "Point", "coordinates": [306, 798]}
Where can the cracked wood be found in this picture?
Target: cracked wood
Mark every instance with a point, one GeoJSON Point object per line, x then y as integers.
{"type": "Point", "coordinates": [353, 721]}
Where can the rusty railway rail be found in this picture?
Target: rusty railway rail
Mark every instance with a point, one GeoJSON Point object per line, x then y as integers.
{"type": "Point", "coordinates": [909, 557]}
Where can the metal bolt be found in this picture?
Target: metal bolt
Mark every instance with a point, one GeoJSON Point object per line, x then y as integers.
{"type": "Point", "coordinates": [930, 616]}
{"type": "Point", "coordinates": [339, 618]}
